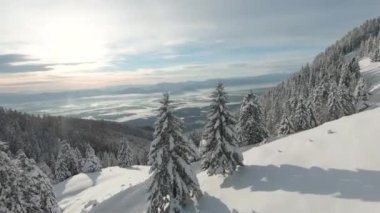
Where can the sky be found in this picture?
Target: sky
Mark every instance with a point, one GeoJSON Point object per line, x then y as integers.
{"type": "Point", "coordinates": [69, 45]}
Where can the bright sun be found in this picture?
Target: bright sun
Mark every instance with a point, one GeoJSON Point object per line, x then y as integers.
{"type": "Point", "coordinates": [71, 40]}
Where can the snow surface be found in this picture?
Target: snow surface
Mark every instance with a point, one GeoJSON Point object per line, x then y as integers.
{"type": "Point", "coordinates": [332, 168]}
{"type": "Point", "coordinates": [82, 192]}
{"type": "Point", "coordinates": [371, 71]}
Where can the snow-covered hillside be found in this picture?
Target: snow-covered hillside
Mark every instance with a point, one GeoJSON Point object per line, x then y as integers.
{"type": "Point", "coordinates": [332, 168]}
{"type": "Point", "coordinates": [83, 191]}
{"type": "Point", "coordinates": [371, 72]}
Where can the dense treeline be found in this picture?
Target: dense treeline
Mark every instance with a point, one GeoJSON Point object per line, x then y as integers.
{"type": "Point", "coordinates": [24, 187]}
{"type": "Point", "coordinates": [328, 88]}
{"type": "Point", "coordinates": [42, 138]}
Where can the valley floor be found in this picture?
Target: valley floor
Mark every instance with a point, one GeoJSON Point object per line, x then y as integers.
{"type": "Point", "coordinates": [332, 168]}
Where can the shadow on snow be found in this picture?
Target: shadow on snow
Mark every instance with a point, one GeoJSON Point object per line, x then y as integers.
{"type": "Point", "coordinates": [346, 184]}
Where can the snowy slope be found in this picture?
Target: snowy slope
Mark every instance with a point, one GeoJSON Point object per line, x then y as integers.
{"type": "Point", "coordinates": [371, 73]}
{"type": "Point", "coordinates": [79, 192]}
{"type": "Point", "coordinates": [332, 168]}
{"type": "Point", "coordinates": [311, 171]}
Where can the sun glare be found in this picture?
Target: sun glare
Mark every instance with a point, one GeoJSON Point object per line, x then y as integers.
{"type": "Point", "coordinates": [71, 40]}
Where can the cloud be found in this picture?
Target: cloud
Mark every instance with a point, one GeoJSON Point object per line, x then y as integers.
{"type": "Point", "coordinates": [14, 63]}
{"type": "Point", "coordinates": [127, 41]}
{"type": "Point", "coordinates": [17, 63]}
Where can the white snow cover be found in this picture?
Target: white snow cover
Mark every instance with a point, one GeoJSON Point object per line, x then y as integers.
{"type": "Point", "coordinates": [372, 69]}
{"type": "Point", "coordinates": [366, 65]}
{"type": "Point", "coordinates": [332, 168]}
{"type": "Point", "coordinates": [80, 191]}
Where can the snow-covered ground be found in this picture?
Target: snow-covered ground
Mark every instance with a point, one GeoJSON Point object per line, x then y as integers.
{"type": "Point", "coordinates": [83, 191]}
{"type": "Point", "coordinates": [371, 73]}
{"type": "Point", "coordinates": [332, 168]}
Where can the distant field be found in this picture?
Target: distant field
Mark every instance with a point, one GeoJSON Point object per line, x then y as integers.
{"type": "Point", "coordinates": [137, 106]}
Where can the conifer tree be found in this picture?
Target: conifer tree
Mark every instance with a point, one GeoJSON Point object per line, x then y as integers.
{"type": "Point", "coordinates": [24, 187]}
{"type": "Point", "coordinates": [333, 105]}
{"type": "Point", "coordinates": [173, 181]}
{"type": "Point", "coordinates": [340, 102]}
{"type": "Point", "coordinates": [285, 127]}
{"type": "Point", "coordinates": [91, 162]}
{"type": "Point", "coordinates": [37, 191]}
{"type": "Point", "coordinates": [361, 95]}
{"type": "Point", "coordinates": [108, 159]}
{"type": "Point", "coordinates": [46, 169]}
{"type": "Point", "coordinates": [221, 154]}
{"type": "Point", "coordinates": [10, 192]}
{"type": "Point", "coordinates": [302, 116]}
{"type": "Point", "coordinates": [376, 55]}
{"type": "Point", "coordinates": [124, 155]}
{"type": "Point", "coordinates": [67, 163]}
{"type": "Point", "coordinates": [251, 122]}
{"type": "Point", "coordinates": [347, 101]}
{"type": "Point", "coordinates": [319, 101]}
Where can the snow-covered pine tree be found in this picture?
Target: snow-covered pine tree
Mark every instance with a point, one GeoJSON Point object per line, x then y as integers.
{"type": "Point", "coordinates": [221, 154]}
{"type": "Point", "coordinates": [37, 191]}
{"type": "Point", "coordinates": [340, 102]}
{"type": "Point", "coordinates": [251, 126]}
{"type": "Point", "coordinates": [124, 155]}
{"type": "Point", "coordinates": [312, 120]}
{"type": "Point", "coordinates": [376, 55]}
{"type": "Point", "coordinates": [285, 127]}
{"type": "Point", "coordinates": [10, 193]}
{"type": "Point", "coordinates": [91, 162]}
{"type": "Point", "coordinates": [318, 102]}
{"type": "Point", "coordinates": [173, 181]}
{"type": "Point", "coordinates": [333, 104]}
{"type": "Point", "coordinates": [108, 159]}
{"type": "Point", "coordinates": [46, 169]}
{"type": "Point", "coordinates": [347, 101]}
{"type": "Point", "coordinates": [302, 117]}
{"type": "Point", "coordinates": [80, 158]}
{"type": "Point", "coordinates": [349, 75]}
{"type": "Point", "coordinates": [361, 95]}
{"type": "Point", "coordinates": [67, 163]}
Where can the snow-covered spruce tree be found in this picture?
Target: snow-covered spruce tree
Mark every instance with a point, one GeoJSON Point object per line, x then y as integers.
{"type": "Point", "coordinates": [124, 155]}
{"type": "Point", "coordinates": [78, 155]}
{"type": "Point", "coordinates": [376, 55]}
{"type": "Point", "coordinates": [347, 101]}
{"type": "Point", "coordinates": [350, 74]}
{"type": "Point", "coordinates": [24, 187]}
{"type": "Point", "coordinates": [319, 101]}
{"type": "Point", "coordinates": [251, 126]}
{"type": "Point", "coordinates": [285, 127]}
{"type": "Point", "coordinates": [46, 169]}
{"type": "Point", "coordinates": [108, 159]}
{"type": "Point", "coordinates": [333, 105]}
{"type": "Point", "coordinates": [10, 193]}
{"type": "Point", "coordinates": [91, 162]}
{"type": "Point", "coordinates": [221, 154]}
{"type": "Point", "coordinates": [361, 95]}
{"type": "Point", "coordinates": [173, 181]}
{"type": "Point", "coordinates": [340, 102]}
{"type": "Point", "coordinates": [67, 163]}
{"type": "Point", "coordinates": [37, 191]}
{"type": "Point", "coordinates": [302, 116]}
